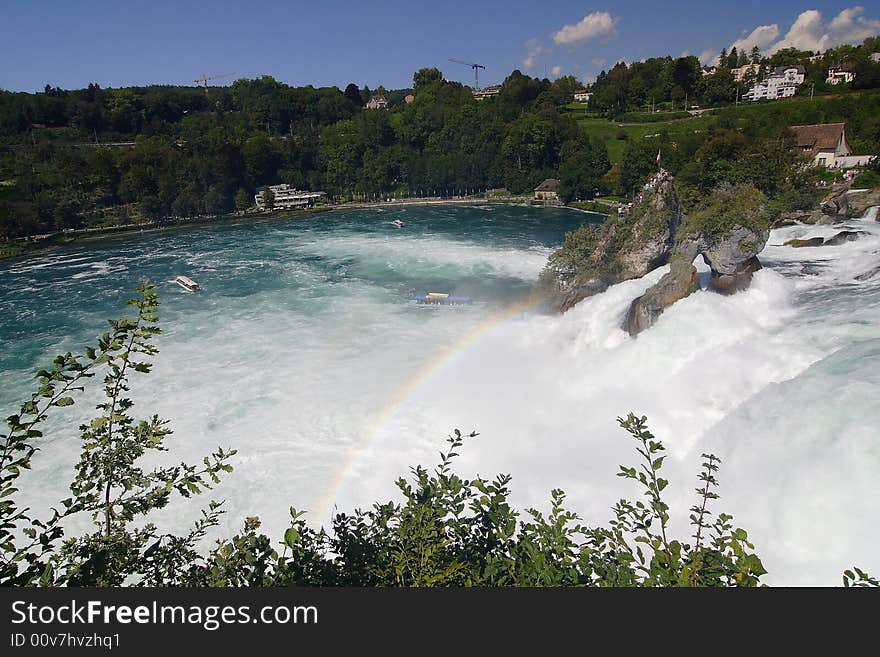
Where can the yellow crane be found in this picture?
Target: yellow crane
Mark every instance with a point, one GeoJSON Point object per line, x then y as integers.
{"type": "Point", "coordinates": [204, 79]}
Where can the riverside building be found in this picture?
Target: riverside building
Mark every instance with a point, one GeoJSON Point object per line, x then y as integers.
{"type": "Point", "coordinates": [288, 197]}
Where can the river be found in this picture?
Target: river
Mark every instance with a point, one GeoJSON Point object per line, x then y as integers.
{"type": "Point", "coordinates": [306, 353]}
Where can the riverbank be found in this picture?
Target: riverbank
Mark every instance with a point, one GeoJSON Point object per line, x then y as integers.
{"type": "Point", "coordinates": [458, 200]}
{"type": "Point", "coordinates": [40, 244]}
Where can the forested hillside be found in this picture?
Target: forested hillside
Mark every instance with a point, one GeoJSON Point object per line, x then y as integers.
{"type": "Point", "coordinates": [670, 82]}
{"type": "Point", "coordinates": [195, 152]}
{"type": "Point", "coordinates": [94, 157]}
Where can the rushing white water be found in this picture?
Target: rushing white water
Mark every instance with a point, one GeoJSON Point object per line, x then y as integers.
{"type": "Point", "coordinates": [781, 381]}
{"type": "Point", "coordinates": [304, 354]}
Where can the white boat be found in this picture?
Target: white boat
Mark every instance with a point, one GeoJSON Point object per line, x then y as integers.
{"type": "Point", "coordinates": [398, 223]}
{"type": "Point", "coordinates": [187, 283]}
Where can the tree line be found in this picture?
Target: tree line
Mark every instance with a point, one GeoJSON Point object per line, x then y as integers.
{"type": "Point", "coordinates": [667, 82]}
{"type": "Point", "coordinates": [182, 151]}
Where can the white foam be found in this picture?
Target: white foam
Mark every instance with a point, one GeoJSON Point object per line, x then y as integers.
{"type": "Point", "coordinates": [711, 374]}
{"type": "Point", "coordinates": [305, 370]}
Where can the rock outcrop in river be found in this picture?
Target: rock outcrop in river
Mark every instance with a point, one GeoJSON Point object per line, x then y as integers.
{"type": "Point", "coordinates": [837, 207]}
{"type": "Point", "coordinates": [681, 280]}
{"type": "Point", "coordinates": [626, 246]}
{"type": "Point", "coordinates": [729, 229]}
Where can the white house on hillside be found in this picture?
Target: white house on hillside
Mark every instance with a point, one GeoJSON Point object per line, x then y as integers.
{"type": "Point", "coordinates": [838, 74]}
{"type": "Point", "coordinates": [377, 102]}
{"type": "Point", "coordinates": [583, 96]}
{"type": "Point", "coordinates": [781, 83]}
{"type": "Point", "coordinates": [827, 146]}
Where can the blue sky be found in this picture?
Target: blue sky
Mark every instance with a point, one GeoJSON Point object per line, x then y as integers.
{"type": "Point", "coordinates": [72, 43]}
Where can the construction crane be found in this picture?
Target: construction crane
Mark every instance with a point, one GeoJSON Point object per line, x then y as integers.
{"type": "Point", "coordinates": [204, 79]}
{"type": "Point", "coordinates": [476, 68]}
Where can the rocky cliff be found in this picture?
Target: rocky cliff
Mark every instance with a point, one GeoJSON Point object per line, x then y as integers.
{"type": "Point", "coordinates": [626, 246]}
{"type": "Point", "coordinates": [728, 229]}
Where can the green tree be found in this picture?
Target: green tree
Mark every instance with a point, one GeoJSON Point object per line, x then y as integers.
{"type": "Point", "coordinates": [268, 198]}
{"type": "Point", "coordinates": [217, 201]}
{"type": "Point", "coordinates": [110, 486]}
{"type": "Point", "coordinates": [151, 207]}
{"type": "Point", "coordinates": [354, 95]}
{"type": "Point", "coordinates": [242, 200]}
{"type": "Point", "coordinates": [580, 174]}
{"type": "Point", "coordinates": [732, 58]}
{"type": "Point", "coordinates": [639, 160]}
{"type": "Point", "coordinates": [424, 77]}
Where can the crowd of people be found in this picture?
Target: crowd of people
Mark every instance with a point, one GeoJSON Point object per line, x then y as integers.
{"type": "Point", "coordinates": [656, 179]}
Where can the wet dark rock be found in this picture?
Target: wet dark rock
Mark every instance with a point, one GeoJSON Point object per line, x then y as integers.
{"type": "Point", "coordinates": [792, 219]}
{"type": "Point", "coordinates": [625, 247]}
{"type": "Point", "coordinates": [858, 202]}
{"type": "Point", "coordinates": [681, 280]}
{"type": "Point", "coordinates": [834, 206]}
{"type": "Point", "coordinates": [728, 283]}
{"type": "Point", "coordinates": [580, 292]}
{"type": "Point", "coordinates": [843, 237]}
{"type": "Point", "coordinates": [813, 241]}
{"type": "Point", "coordinates": [728, 231]}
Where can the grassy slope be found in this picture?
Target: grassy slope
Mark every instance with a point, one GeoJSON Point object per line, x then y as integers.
{"type": "Point", "coordinates": [608, 131]}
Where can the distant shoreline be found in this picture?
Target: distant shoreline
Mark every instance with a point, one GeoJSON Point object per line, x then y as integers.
{"type": "Point", "coordinates": [41, 244]}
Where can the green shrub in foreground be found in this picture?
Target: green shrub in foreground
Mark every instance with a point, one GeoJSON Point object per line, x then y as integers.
{"type": "Point", "coordinates": [444, 531]}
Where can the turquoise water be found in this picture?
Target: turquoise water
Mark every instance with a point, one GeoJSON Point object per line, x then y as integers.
{"type": "Point", "coordinates": [309, 266]}
{"type": "Point", "coordinates": [303, 331]}
{"type": "Point", "coordinates": [306, 353]}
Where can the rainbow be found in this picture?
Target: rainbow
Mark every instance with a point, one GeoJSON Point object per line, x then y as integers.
{"type": "Point", "coordinates": [408, 390]}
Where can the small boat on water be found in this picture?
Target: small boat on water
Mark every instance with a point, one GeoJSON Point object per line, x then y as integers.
{"type": "Point", "coordinates": [398, 223]}
{"type": "Point", "coordinates": [441, 299]}
{"type": "Point", "coordinates": [187, 283]}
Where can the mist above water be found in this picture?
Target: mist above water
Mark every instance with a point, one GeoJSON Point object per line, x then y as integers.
{"type": "Point", "coordinates": [306, 354]}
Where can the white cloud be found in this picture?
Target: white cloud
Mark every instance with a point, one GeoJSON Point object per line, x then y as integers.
{"type": "Point", "coordinates": [806, 33]}
{"type": "Point", "coordinates": [709, 57]}
{"type": "Point", "coordinates": [533, 52]}
{"type": "Point", "coordinates": [762, 36]}
{"type": "Point", "coordinates": [598, 62]}
{"type": "Point", "coordinates": [849, 26]}
{"type": "Point", "coordinates": [599, 24]}
{"type": "Point", "coordinates": [809, 31]}
{"type": "Point", "coordinates": [555, 71]}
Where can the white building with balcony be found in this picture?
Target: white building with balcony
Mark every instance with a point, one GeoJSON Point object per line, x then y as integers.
{"type": "Point", "coordinates": [782, 83]}
{"type": "Point", "coordinates": [287, 197]}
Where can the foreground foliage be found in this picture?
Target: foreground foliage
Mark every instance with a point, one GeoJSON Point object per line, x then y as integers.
{"type": "Point", "coordinates": [446, 530]}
